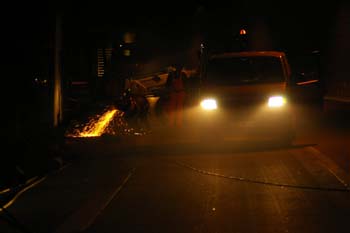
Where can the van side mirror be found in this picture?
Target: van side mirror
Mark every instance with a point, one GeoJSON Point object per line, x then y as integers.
{"type": "Point", "coordinates": [303, 78]}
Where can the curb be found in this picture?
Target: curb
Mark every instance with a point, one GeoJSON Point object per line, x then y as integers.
{"type": "Point", "coordinates": [334, 104]}
{"type": "Point", "coordinates": [11, 194]}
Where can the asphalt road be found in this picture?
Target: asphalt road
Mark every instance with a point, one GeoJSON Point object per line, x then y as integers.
{"type": "Point", "coordinates": [265, 191]}
{"type": "Point", "coordinates": [173, 183]}
{"type": "Point", "coordinates": [188, 187]}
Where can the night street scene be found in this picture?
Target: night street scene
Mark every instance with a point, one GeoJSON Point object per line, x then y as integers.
{"type": "Point", "coordinates": [183, 116]}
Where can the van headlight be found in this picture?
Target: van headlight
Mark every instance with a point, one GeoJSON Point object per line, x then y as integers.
{"type": "Point", "coordinates": [209, 104]}
{"type": "Point", "coordinates": [276, 101]}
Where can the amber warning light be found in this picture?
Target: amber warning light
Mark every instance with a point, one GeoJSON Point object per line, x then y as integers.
{"type": "Point", "coordinates": [242, 32]}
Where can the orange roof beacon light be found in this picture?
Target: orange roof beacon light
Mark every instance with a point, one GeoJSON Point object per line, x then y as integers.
{"type": "Point", "coordinates": [243, 32]}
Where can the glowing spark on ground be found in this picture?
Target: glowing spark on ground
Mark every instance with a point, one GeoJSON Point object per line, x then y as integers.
{"type": "Point", "coordinates": [95, 128]}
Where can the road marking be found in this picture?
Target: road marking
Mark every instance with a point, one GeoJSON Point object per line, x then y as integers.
{"type": "Point", "coordinates": [111, 197]}
{"type": "Point", "coordinates": [8, 204]}
{"type": "Point", "coordinates": [5, 191]}
{"type": "Point", "coordinates": [32, 182]}
{"type": "Point", "coordinates": [332, 167]}
{"type": "Point", "coordinates": [84, 217]}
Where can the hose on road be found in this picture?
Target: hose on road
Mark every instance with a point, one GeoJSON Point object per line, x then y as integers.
{"type": "Point", "coordinates": [281, 185]}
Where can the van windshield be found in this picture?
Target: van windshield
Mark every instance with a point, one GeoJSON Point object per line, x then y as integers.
{"type": "Point", "coordinates": [244, 70]}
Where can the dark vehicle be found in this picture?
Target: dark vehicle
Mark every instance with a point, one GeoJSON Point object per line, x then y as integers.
{"type": "Point", "coordinates": [246, 94]}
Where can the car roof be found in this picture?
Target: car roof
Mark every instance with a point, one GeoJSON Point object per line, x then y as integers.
{"type": "Point", "coordinates": [249, 54]}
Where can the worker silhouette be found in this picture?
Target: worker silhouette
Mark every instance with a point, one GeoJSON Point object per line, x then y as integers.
{"type": "Point", "coordinates": [176, 89]}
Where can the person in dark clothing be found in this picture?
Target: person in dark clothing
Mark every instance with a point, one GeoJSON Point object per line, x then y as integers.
{"type": "Point", "coordinates": [176, 89]}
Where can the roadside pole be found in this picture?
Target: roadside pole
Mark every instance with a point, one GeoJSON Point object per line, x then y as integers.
{"type": "Point", "coordinates": [57, 84]}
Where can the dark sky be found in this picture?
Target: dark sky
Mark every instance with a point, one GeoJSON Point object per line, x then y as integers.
{"type": "Point", "coordinates": [295, 22]}
{"type": "Point", "coordinates": [29, 20]}
{"type": "Point", "coordinates": [292, 25]}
